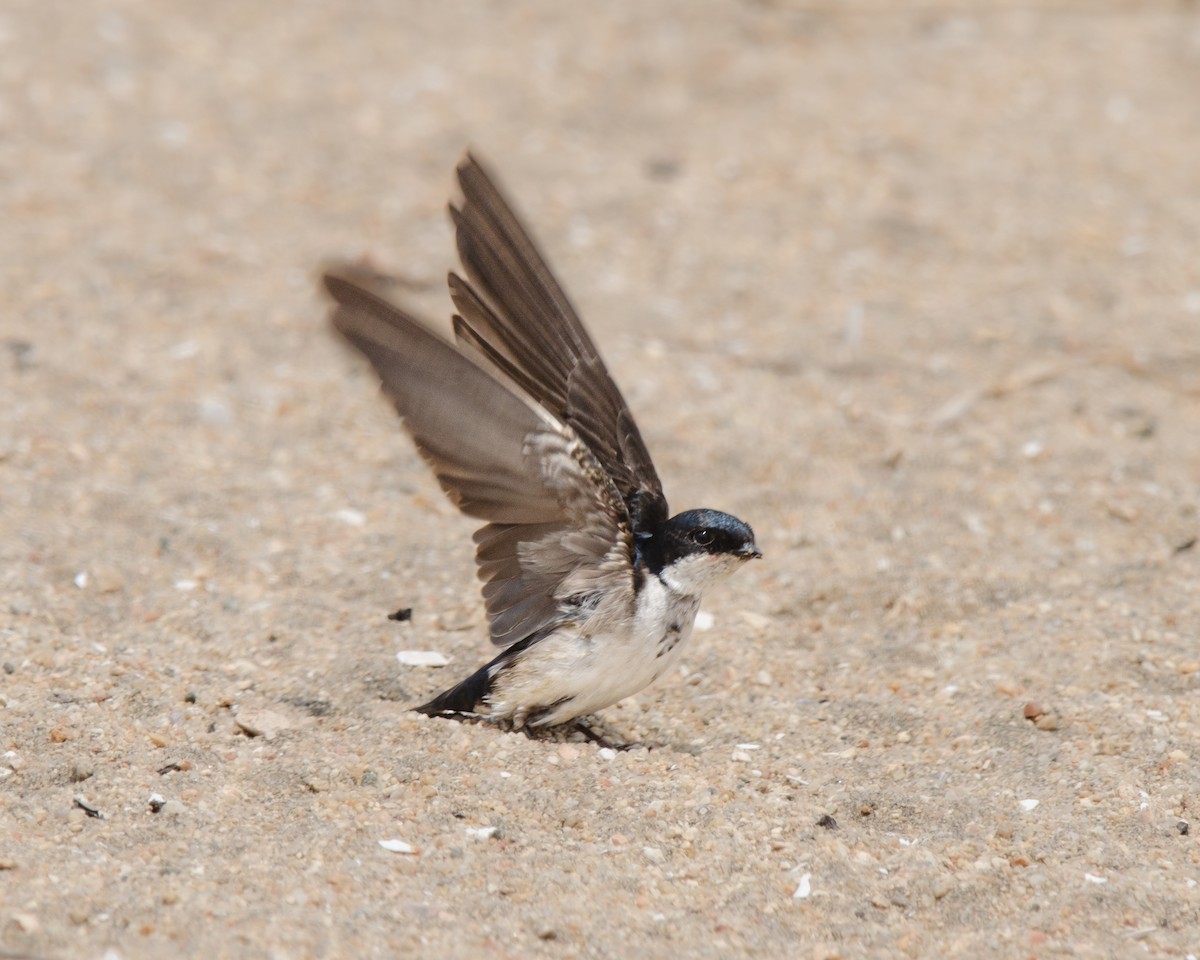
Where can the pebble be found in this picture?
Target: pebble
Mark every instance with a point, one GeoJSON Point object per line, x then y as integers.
{"type": "Point", "coordinates": [756, 621]}
{"type": "Point", "coordinates": [1028, 805]}
{"type": "Point", "coordinates": [654, 855]}
{"type": "Point", "coordinates": [422, 658]}
{"type": "Point", "coordinates": [484, 833]}
{"type": "Point", "coordinates": [351, 517]}
{"type": "Point", "coordinates": [80, 770]}
{"type": "Point", "coordinates": [214, 411]}
{"type": "Point", "coordinates": [397, 846]}
{"type": "Point", "coordinates": [183, 350]}
{"type": "Point", "coordinates": [24, 922]}
{"type": "Point", "coordinates": [263, 723]}
{"type": "Point", "coordinates": [1048, 721]}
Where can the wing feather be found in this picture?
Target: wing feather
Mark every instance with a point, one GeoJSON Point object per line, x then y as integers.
{"type": "Point", "coordinates": [512, 302]}
{"type": "Point", "coordinates": [556, 525]}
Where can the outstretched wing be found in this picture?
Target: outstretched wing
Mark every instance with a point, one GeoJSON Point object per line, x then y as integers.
{"type": "Point", "coordinates": [513, 313]}
{"type": "Point", "coordinates": [558, 531]}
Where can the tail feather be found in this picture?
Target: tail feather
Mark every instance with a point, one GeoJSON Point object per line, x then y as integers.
{"type": "Point", "coordinates": [467, 698]}
{"type": "Point", "coordinates": [463, 698]}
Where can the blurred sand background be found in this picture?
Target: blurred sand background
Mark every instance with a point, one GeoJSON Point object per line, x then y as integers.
{"type": "Point", "coordinates": [913, 288]}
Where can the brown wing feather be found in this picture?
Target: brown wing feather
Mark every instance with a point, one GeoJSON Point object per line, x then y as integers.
{"type": "Point", "coordinates": [514, 304]}
{"type": "Point", "coordinates": [557, 527]}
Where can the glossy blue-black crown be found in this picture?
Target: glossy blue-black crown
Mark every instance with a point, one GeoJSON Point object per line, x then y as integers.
{"type": "Point", "coordinates": [707, 531]}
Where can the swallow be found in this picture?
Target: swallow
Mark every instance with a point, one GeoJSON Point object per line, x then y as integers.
{"type": "Point", "coordinates": [591, 586]}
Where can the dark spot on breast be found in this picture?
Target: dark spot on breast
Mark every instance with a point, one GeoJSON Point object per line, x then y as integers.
{"type": "Point", "coordinates": [670, 638]}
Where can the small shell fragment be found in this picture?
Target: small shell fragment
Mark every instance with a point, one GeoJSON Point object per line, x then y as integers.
{"type": "Point", "coordinates": [804, 888]}
{"type": "Point", "coordinates": [422, 658]}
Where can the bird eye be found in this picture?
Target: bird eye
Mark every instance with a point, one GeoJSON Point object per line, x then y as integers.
{"type": "Point", "coordinates": [702, 537]}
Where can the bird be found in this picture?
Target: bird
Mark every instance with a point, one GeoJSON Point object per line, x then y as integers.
{"type": "Point", "coordinates": [591, 587]}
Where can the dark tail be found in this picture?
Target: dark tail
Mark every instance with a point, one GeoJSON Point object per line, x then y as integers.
{"type": "Point", "coordinates": [463, 699]}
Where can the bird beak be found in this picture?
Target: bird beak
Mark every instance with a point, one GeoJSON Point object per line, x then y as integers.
{"type": "Point", "coordinates": [750, 552]}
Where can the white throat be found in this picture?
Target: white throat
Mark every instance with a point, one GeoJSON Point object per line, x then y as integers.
{"type": "Point", "coordinates": [691, 575]}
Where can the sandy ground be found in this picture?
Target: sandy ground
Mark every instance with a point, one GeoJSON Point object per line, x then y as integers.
{"type": "Point", "coordinates": [915, 290]}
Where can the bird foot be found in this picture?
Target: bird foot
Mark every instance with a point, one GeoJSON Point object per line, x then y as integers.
{"type": "Point", "coordinates": [593, 737]}
{"type": "Point", "coordinates": [561, 732]}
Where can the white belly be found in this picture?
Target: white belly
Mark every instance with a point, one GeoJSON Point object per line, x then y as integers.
{"type": "Point", "coordinates": [585, 668]}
